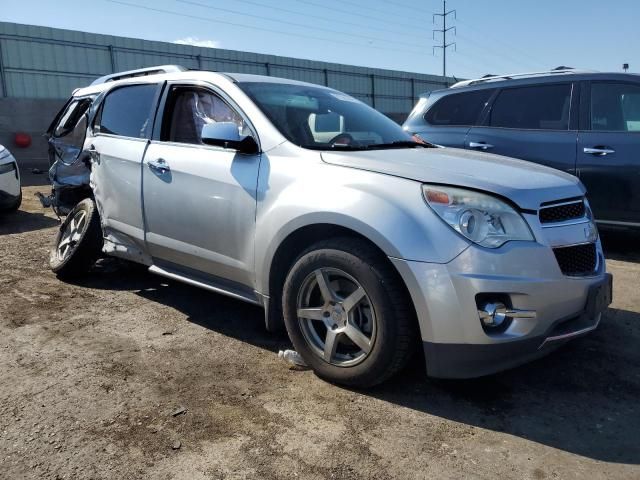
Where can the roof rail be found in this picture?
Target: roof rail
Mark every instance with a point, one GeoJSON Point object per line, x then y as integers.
{"type": "Point", "coordinates": [140, 72]}
{"type": "Point", "coordinates": [493, 78]}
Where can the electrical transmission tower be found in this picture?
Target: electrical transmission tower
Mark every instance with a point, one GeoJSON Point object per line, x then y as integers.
{"type": "Point", "coordinates": [445, 14]}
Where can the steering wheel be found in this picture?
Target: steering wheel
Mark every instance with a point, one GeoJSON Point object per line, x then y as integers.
{"type": "Point", "coordinates": [343, 139]}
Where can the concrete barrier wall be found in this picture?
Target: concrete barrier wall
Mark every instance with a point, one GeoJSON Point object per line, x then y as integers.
{"type": "Point", "coordinates": [31, 116]}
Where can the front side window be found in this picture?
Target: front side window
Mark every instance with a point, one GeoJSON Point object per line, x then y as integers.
{"type": "Point", "coordinates": [615, 107]}
{"type": "Point", "coordinates": [127, 111]}
{"type": "Point", "coordinates": [459, 109]}
{"type": "Point", "coordinates": [324, 119]}
{"type": "Point", "coordinates": [543, 107]}
{"type": "Point", "coordinates": [189, 109]}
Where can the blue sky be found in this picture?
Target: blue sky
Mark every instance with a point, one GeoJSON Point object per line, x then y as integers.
{"type": "Point", "coordinates": [492, 36]}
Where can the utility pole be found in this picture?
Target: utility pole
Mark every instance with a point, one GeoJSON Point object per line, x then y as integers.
{"type": "Point", "coordinates": [444, 31]}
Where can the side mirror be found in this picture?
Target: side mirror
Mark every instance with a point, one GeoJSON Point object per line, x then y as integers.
{"type": "Point", "coordinates": [226, 135]}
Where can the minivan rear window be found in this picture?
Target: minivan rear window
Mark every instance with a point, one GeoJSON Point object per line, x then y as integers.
{"type": "Point", "coordinates": [541, 107]}
{"type": "Point", "coordinates": [126, 111]}
{"type": "Point", "coordinates": [459, 108]}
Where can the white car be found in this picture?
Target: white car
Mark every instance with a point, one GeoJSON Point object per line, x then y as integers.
{"type": "Point", "coordinates": [10, 192]}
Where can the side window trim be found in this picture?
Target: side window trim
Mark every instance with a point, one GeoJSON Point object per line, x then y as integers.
{"type": "Point", "coordinates": [585, 106]}
{"type": "Point", "coordinates": [484, 115]}
{"type": "Point", "coordinates": [487, 118]}
{"type": "Point", "coordinates": [195, 84]}
{"type": "Point", "coordinates": [95, 124]}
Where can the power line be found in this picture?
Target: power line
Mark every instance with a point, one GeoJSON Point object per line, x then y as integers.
{"type": "Point", "coordinates": [264, 29]}
{"type": "Point", "coordinates": [445, 14]}
{"type": "Point", "coordinates": [361, 15]}
{"type": "Point", "coordinates": [294, 24]}
{"type": "Point", "coordinates": [328, 19]}
{"type": "Point", "coordinates": [510, 46]}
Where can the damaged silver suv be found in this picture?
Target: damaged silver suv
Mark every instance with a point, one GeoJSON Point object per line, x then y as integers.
{"type": "Point", "coordinates": [361, 240]}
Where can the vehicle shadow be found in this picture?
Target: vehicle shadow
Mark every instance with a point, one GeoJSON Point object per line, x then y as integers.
{"type": "Point", "coordinates": [210, 310]}
{"type": "Point", "coordinates": [621, 245]}
{"type": "Point", "coordinates": [582, 398]}
{"type": "Point", "coordinates": [22, 222]}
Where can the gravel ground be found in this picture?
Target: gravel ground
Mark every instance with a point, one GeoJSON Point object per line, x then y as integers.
{"type": "Point", "coordinates": [126, 375]}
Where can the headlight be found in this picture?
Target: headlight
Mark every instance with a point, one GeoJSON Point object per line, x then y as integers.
{"type": "Point", "coordinates": [482, 218]}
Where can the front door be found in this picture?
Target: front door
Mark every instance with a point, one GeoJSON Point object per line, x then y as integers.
{"type": "Point", "coordinates": [609, 152]}
{"type": "Point", "coordinates": [531, 123]}
{"type": "Point", "coordinates": [199, 200]}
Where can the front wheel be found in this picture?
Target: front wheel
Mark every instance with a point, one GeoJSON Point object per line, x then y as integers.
{"type": "Point", "coordinates": [347, 313]}
{"type": "Point", "coordinates": [78, 244]}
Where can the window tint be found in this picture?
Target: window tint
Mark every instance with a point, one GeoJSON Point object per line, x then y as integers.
{"type": "Point", "coordinates": [458, 109]}
{"type": "Point", "coordinates": [190, 109]}
{"type": "Point", "coordinates": [615, 107]}
{"type": "Point", "coordinates": [543, 107]}
{"type": "Point", "coordinates": [127, 111]}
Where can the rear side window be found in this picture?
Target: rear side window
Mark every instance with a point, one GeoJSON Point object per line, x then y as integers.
{"type": "Point", "coordinates": [615, 107]}
{"type": "Point", "coordinates": [459, 108]}
{"type": "Point", "coordinates": [543, 107]}
{"type": "Point", "coordinates": [71, 116]}
{"type": "Point", "coordinates": [126, 111]}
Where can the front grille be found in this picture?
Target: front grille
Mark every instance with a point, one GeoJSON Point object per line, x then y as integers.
{"type": "Point", "coordinates": [578, 260]}
{"type": "Point", "coordinates": [562, 213]}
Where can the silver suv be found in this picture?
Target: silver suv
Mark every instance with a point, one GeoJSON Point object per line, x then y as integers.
{"type": "Point", "coordinates": [361, 240]}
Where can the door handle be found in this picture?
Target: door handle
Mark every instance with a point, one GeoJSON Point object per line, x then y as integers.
{"type": "Point", "coordinates": [480, 145]}
{"type": "Point", "coordinates": [599, 151]}
{"type": "Point", "coordinates": [159, 166]}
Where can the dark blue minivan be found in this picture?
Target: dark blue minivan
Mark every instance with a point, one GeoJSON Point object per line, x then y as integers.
{"type": "Point", "coordinates": [585, 123]}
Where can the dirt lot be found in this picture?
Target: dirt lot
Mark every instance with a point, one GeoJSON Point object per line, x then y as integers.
{"type": "Point", "coordinates": [91, 373]}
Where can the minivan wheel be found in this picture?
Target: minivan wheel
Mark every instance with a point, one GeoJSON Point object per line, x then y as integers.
{"type": "Point", "coordinates": [347, 314]}
{"type": "Point", "coordinates": [78, 244]}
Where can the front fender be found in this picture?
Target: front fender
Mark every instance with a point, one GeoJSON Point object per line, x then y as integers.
{"type": "Point", "coordinates": [389, 211]}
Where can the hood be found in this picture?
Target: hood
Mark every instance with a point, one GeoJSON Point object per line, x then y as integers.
{"type": "Point", "coordinates": [524, 183]}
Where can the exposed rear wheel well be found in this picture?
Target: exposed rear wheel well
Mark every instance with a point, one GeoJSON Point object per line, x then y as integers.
{"type": "Point", "coordinates": [291, 248]}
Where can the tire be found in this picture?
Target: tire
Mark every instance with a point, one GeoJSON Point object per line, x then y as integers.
{"type": "Point", "coordinates": [83, 235]}
{"type": "Point", "coordinates": [14, 208]}
{"type": "Point", "coordinates": [364, 292]}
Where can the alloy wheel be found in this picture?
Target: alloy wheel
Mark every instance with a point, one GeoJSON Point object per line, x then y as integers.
{"type": "Point", "coordinates": [336, 317]}
{"type": "Point", "coordinates": [72, 234]}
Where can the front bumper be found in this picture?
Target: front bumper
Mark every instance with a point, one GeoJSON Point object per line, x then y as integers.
{"type": "Point", "coordinates": [9, 185]}
{"type": "Point", "coordinates": [444, 295]}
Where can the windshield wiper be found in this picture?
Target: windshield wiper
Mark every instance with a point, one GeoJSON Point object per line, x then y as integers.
{"type": "Point", "coordinates": [400, 144]}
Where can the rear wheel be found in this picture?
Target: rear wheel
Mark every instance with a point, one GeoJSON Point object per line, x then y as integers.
{"type": "Point", "coordinates": [347, 314]}
{"type": "Point", "coordinates": [79, 241]}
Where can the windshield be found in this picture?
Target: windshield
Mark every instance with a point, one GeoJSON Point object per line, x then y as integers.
{"type": "Point", "coordinates": [325, 119]}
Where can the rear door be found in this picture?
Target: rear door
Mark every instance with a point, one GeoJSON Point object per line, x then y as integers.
{"type": "Point", "coordinates": [531, 123]}
{"type": "Point", "coordinates": [449, 118]}
{"type": "Point", "coordinates": [121, 134]}
{"type": "Point", "coordinates": [200, 200]}
{"type": "Point", "coordinates": [609, 151]}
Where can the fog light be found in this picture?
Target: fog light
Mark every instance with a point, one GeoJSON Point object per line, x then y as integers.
{"type": "Point", "coordinates": [494, 314]}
